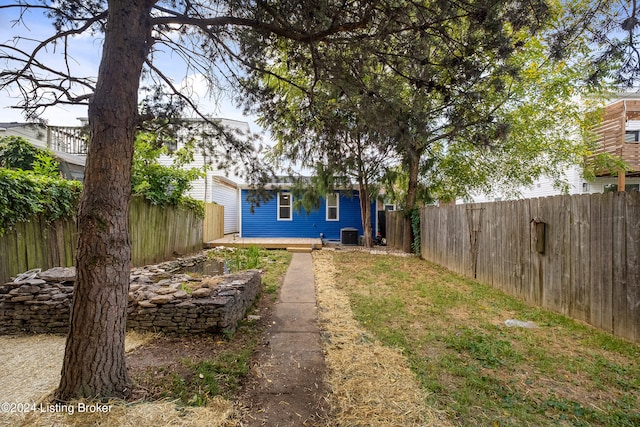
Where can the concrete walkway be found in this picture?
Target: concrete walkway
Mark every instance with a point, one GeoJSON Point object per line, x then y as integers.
{"type": "Point", "coordinates": [290, 387]}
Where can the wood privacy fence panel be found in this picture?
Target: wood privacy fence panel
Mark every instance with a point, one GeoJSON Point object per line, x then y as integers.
{"type": "Point", "coordinates": [213, 226]}
{"type": "Point", "coordinates": [36, 244]}
{"type": "Point", "coordinates": [577, 255]}
{"type": "Point", "coordinates": [395, 229]}
{"type": "Point", "coordinates": [156, 234]}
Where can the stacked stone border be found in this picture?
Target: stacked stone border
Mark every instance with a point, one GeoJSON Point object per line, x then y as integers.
{"type": "Point", "coordinates": [160, 300]}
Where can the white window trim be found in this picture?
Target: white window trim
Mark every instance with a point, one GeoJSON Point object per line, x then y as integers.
{"type": "Point", "coordinates": [337, 206]}
{"type": "Point", "coordinates": [290, 206]}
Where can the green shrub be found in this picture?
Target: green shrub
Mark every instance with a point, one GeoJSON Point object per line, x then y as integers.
{"type": "Point", "coordinates": [24, 194]}
{"type": "Point", "coordinates": [160, 184]}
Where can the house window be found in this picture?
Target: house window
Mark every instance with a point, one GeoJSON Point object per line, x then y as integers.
{"type": "Point", "coordinates": [389, 207]}
{"type": "Point", "coordinates": [284, 207]}
{"type": "Point", "coordinates": [632, 136]}
{"type": "Point", "coordinates": [612, 188]}
{"type": "Point", "coordinates": [333, 207]}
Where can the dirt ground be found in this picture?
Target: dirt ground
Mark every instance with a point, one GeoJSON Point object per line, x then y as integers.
{"type": "Point", "coordinates": [148, 363]}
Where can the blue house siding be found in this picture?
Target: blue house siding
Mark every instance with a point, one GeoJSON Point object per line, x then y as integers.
{"type": "Point", "coordinates": [263, 222]}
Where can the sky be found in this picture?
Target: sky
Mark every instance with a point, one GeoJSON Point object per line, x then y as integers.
{"type": "Point", "coordinates": [86, 51]}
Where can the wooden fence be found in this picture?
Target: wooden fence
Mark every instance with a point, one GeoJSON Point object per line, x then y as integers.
{"type": "Point", "coordinates": [213, 226]}
{"type": "Point", "coordinates": [36, 244]}
{"type": "Point", "coordinates": [395, 229]}
{"type": "Point", "coordinates": [576, 255]}
{"type": "Point", "coordinates": [156, 234]}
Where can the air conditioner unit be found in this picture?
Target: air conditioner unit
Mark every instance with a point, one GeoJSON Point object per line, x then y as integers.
{"type": "Point", "coordinates": [349, 236]}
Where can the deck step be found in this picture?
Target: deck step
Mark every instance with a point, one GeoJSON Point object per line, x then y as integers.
{"type": "Point", "coordinates": [299, 249]}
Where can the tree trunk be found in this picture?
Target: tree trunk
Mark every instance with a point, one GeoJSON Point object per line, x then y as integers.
{"type": "Point", "coordinates": [365, 211]}
{"type": "Point", "coordinates": [413, 161]}
{"type": "Point", "coordinates": [94, 360]}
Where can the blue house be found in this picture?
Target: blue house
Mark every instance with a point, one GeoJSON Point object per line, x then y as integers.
{"type": "Point", "coordinates": [279, 218]}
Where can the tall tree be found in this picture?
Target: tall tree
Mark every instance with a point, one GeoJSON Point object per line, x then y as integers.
{"type": "Point", "coordinates": [323, 129]}
{"type": "Point", "coordinates": [612, 28]}
{"type": "Point", "coordinates": [435, 72]}
{"type": "Point", "coordinates": [204, 35]}
{"type": "Point", "coordinates": [475, 100]}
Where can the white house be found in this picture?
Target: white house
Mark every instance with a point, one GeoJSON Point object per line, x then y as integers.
{"type": "Point", "coordinates": [218, 186]}
{"type": "Point", "coordinates": [67, 144]}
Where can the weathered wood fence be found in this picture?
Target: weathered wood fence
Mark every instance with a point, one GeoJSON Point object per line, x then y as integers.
{"type": "Point", "coordinates": [36, 244]}
{"type": "Point", "coordinates": [576, 255]}
{"type": "Point", "coordinates": [395, 229]}
{"type": "Point", "coordinates": [213, 227]}
{"type": "Point", "coordinates": [156, 234]}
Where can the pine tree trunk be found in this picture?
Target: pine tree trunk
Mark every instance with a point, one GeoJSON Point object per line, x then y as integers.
{"type": "Point", "coordinates": [365, 210]}
{"type": "Point", "coordinates": [412, 193]}
{"type": "Point", "coordinates": [94, 360]}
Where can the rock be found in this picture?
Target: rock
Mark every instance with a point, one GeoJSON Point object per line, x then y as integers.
{"type": "Point", "coordinates": [161, 299]}
{"type": "Point", "coordinates": [180, 294]}
{"type": "Point", "coordinates": [520, 324]}
{"type": "Point", "coordinates": [146, 304]}
{"type": "Point", "coordinates": [201, 293]}
{"type": "Point", "coordinates": [23, 298]}
{"type": "Point", "coordinates": [211, 282]}
{"type": "Point", "coordinates": [165, 291]}
{"type": "Point", "coordinates": [59, 274]}
{"type": "Point", "coordinates": [26, 289]}
{"type": "Point", "coordinates": [145, 279]}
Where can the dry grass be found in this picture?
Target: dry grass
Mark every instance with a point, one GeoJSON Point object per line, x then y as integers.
{"type": "Point", "coordinates": [370, 384]}
{"type": "Point", "coordinates": [31, 364]}
{"type": "Point", "coordinates": [218, 413]}
{"type": "Point", "coordinates": [31, 371]}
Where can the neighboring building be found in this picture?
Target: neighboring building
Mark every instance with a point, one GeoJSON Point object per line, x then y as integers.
{"type": "Point", "coordinates": [619, 135]}
{"type": "Point", "coordinates": [68, 144]}
{"type": "Point", "coordinates": [278, 217]}
{"type": "Point", "coordinates": [226, 192]}
{"type": "Point", "coordinates": [218, 186]}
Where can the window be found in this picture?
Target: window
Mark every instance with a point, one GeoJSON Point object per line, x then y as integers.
{"type": "Point", "coordinates": [632, 136]}
{"type": "Point", "coordinates": [284, 207]}
{"type": "Point", "coordinates": [612, 188]}
{"type": "Point", "coordinates": [333, 207]}
{"type": "Point", "coordinates": [389, 207]}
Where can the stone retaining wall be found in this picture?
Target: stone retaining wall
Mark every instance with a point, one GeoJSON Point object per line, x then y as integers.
{"type": "Point", "coordinates": [159, 300]}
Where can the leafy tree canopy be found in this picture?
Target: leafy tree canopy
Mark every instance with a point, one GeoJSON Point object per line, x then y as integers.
{"type": "Point", "coordinates": [17, 153]}
{"type": "Point", "coordinates": [161, 184]}
{"type": "Point", "coordinates": [30, 184]}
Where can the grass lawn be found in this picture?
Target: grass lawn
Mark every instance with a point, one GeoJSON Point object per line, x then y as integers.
{"type": "Point", "coordinates": [480, 371]}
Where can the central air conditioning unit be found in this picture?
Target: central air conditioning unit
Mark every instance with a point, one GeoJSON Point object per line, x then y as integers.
{"type": "Point", "coordinates": [349, 236]}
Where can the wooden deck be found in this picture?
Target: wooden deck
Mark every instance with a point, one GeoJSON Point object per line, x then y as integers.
{"type": "Point", "coordinates": [267, 243]}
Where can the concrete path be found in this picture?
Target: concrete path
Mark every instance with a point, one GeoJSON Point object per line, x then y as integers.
{"type": "Point", "coordinates": [289, 392]}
